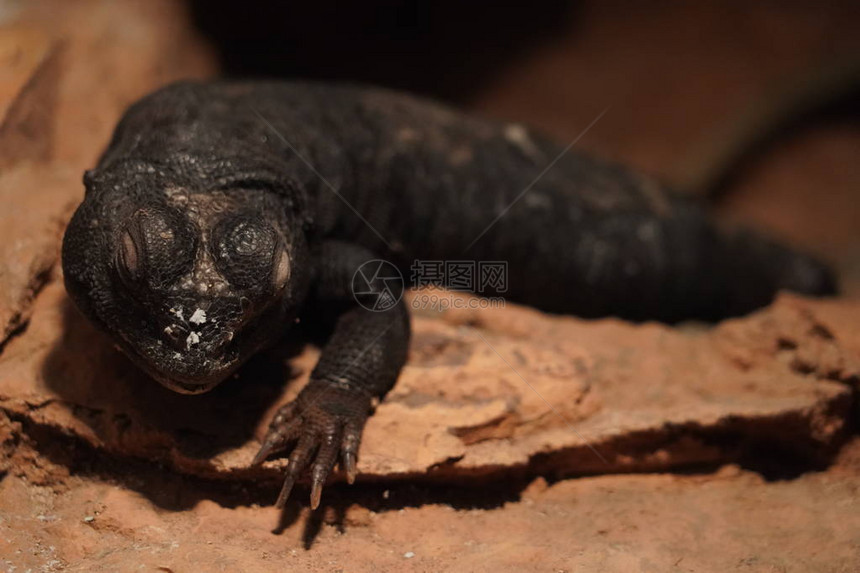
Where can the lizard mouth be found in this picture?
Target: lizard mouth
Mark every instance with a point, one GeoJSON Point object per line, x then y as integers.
{"type": "Point", "coordinates": [196, 373]}
{"type": "Point", "coordinates": [189, 358]}
{"type": "Point", "coordinates": [186, 387]}
{"type": "Point", "coordinates": [191, 372]}
{"type": "Point", "coordinates": [196, 381]}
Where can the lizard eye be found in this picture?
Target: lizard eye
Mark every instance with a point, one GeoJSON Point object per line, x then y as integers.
{"type": "Point", "coordinates": [248, 253]}
{"type": "Point", "coordinates": [282, 270]}
{"type": "Point", "coordinates": [155, 246]}
{"type": "Point", "coordinates": [129, 260]}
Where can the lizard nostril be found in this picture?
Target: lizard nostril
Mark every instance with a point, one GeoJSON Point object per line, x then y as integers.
{"type": "Point", "coordinates": [176, 335]}
{"type": "Point", "coordinates": [220, 343]}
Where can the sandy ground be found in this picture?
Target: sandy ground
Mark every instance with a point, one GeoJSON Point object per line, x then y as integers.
{"type": "Point", "coordinates": [723, 520]}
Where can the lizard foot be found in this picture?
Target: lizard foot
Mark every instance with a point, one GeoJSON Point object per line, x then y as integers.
{"type": "Point", "coordinates": [323, 421]}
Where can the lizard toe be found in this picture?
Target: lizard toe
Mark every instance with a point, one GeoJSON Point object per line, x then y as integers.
{"type": "Point", "coordinates": [324, 422]}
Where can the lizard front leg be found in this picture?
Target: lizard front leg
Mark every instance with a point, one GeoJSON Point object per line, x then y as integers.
{"type": "Point", "coordinates": [359, 363]}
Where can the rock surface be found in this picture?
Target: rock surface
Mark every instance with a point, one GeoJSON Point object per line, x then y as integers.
{"type": "Point", "coordinates": [485, 392]}
{"type": "Point", "coordinates": [729, 520]}
{"type": "Point", "coordinates": [57, 111]}
{"type": "Point", "coordinates": [464, 464]}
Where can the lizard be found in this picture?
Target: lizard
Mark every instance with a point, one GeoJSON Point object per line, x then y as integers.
{"type": "Point", "coordinates": [223, 212]}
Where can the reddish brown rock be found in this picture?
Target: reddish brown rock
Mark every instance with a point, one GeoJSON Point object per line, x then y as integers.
{"type": "Point", "coordinates": [99, 463]}
{"type": "Point", "coordinates": [477, 397]}
{"type": "Point", "coordinates": [29, 77]}
{"type": "Point", "coordinates": [57, 112]}
{"type": "Point", "coordinates": [729, 520]}
{"type": "Point", "coordinates": [34, 201]}
{"type": "Point", "coordinates": [36, 205]}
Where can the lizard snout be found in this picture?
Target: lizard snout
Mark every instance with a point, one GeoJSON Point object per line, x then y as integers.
{"type": "Point", "coordinates": [176, 335]}
{"type": "Point", "coordinates": [220, 343]}
{"type": "Point", "coordinates": [183, 339]}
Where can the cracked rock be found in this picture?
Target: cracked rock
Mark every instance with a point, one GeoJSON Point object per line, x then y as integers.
{"type": "Point", "coordinates": [478, 397]}
{"type": "Point", "coordinates": [57, 113]}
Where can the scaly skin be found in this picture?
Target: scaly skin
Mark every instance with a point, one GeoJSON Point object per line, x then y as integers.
{"type": "Point", "coordinates": [222, 212]}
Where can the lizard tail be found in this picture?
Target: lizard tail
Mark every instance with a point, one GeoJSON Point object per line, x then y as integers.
{"type": "Point", "coordinates": [645, 267]}
{"type": "Point", "coordinates": [756, 268]}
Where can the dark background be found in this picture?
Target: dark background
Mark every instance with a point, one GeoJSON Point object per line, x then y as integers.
{"type": "Point", "coordinates": [449, 48]}
{"type": "Point", "coordinates": [754, 105]}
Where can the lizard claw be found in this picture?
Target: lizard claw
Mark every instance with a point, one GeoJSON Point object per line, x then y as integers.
{"type": "Point", "coordinates": [349, 467]}
{"type": "Point", "coordinates": [323, 421]}
{"type": "Point", "coordinates": [285, 492]}
{"type": "Point", "coordinates": [267, 448]}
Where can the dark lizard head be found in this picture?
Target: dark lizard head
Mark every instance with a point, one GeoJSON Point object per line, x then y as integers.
{"type": "Point", "coordinates": [189, 282]}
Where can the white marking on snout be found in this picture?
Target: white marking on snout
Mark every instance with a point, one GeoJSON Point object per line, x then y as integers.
{"type": "Point", "coordinates": [193, 338]}
{"type": "Point", "coordinates": [198, 317]}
